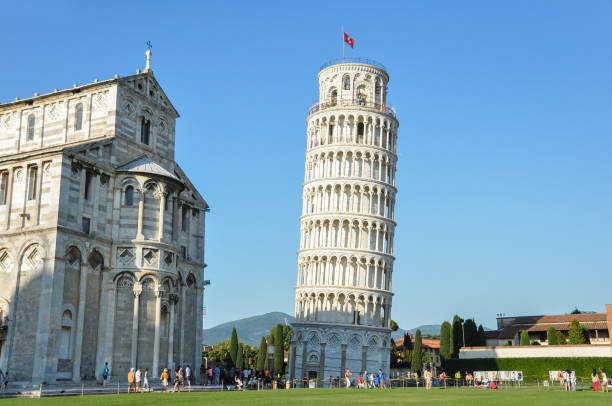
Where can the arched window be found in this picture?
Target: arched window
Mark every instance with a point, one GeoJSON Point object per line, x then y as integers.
{"type": "Point", "coordinates": [360, 132]}
{"type": "Point", "coordinates": [129, 196]}
{"type": "Point", "coordinates": [361, 96]}
{"type": "Point", "coordinates": [346, 82]}
{"type": "Point", "coordinates": [78, 117]}
{"type": "Point", "coordinates": [377, 93]}
{"type": "Point", "coordinates": [145, 128]}
{"type": "Point", "coordinates": [65, 343]}
{"type": "Point", "coordinates": [31, 126]}
{"type": "Point", "coordinates": [334, 97]}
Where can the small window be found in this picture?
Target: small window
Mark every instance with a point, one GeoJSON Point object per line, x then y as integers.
{"type": "Point", "coordinates": [31, 126]}
{"type": "Point", "coordinates": [86, 224]}
{"type": "Point", "coordinates": [32, 174]}
{"type": "Point", "coordinates": [129, 196]}
{"type": "Point", "coordinates": [145, 129]}
{"type": "Point", "coordinates": [183, 252]}
{"type": "Point", "coordinates": [78, 117]}
{"type": "Point", "coordinates": [87, 192]}
{"type": "Point", "coordinates": [184, 218]}
{"type": "Point", "coordinates": [3, 187]}
{"type": "Point", "coordinates": [334, 97]}
{"type": "Point", "coordinates": [346, 82]}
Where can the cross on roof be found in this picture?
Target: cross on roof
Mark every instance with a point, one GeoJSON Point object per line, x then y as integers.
{"type": "Point", "coordinates": [149, 45]}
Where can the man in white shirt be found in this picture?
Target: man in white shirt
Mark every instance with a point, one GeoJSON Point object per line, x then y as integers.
{"type": "Point", "coordinates": [188, 375]}
{"type": "Point", "coordinates": [138, 379]}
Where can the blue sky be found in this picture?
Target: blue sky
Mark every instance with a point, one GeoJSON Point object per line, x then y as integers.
{"type": "Point", "coordinates": [505, 136]}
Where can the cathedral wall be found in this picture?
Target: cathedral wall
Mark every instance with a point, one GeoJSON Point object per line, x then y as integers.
{"type": "Point", "coordinates": [68, 116]}
{"type": "Point", "coordinates": [140, 101]}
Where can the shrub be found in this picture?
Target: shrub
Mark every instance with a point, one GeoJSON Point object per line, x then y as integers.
{"type": "Point", "coordinates": [552, 336]}
{"type": "Point", "coordinates": [524, 338]}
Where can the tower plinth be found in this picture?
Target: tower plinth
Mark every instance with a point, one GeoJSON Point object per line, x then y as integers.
{"type": "Point", "coordinates": [345, 262]}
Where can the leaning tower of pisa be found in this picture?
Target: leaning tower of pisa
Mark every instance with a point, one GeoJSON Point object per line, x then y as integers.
{"type": "Point", "coordinates": [343, 294]}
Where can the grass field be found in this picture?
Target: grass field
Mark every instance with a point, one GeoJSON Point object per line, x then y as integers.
{"type": "Point", "coordinates": [323, 397]}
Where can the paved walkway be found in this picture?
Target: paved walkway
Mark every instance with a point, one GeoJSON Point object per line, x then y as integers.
{"type": "Point", "coordinates": [88, 389]}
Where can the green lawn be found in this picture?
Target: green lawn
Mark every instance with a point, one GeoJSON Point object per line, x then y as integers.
{"type": "Point", "coordinates": [322, 397]}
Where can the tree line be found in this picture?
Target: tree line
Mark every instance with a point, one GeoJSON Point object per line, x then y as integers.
{"type": "Point", "coordinates": [235, 353]}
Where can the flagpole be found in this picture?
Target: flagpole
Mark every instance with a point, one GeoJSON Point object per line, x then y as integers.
{"type": "Point", "coordinates": [342, 43]}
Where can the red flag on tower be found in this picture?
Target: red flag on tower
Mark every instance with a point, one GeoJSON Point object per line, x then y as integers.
{"type": "Point", "coordinates": [349, 40]}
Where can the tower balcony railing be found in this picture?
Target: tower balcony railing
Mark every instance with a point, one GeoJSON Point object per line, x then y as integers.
{"type": "Point", "coordinates": [363, 61]}
{"type": "Point", "coordinates": [385, 109]}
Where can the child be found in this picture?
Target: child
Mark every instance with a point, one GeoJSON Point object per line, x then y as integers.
{"type": "Point", "coordinates": [164, 380]}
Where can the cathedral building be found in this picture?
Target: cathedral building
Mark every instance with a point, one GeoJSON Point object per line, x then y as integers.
{"type": "Point", "coordinates": [345, 261]}
{"type": "Point", "coordinates": [101, 235]}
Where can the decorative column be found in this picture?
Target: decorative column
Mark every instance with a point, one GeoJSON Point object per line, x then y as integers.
{"type": "Point", "coordinates": [182, 313]}
{"type": "Point", "coordinates": [109, 334]}
{"type": "Point", "coordinates": [162, 209]}
{"type": "Point", "coordinates": [159, 291]}
{"type": "Point", "coordinates": [173, 301]}
{"type": "Point", "coordinates": [137, 292]}
{"type": "Point", "coordinates": [141, 196]}
{"type": "Point", "coordinates": [78, 341]}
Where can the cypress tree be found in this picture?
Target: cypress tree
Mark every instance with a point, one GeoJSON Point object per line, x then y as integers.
{"type": "Point", "coordinates": [262, 355]}
{"type": "Point", "coordinates": [279, 350]}
{"type": "Point", "coordinates": [445, 340]}
{"type": "Point", "coordinates": [233, 348]}
{"type": "Point", "coordinates": [457, 335]}
{"type": "Point", "coordinates": [471, 333]}
{"type": "Point", "coordinates": [552, 335]}
{"type": "Point", "coordinates": [417, 356]}
{"type": "Point", "coordinates": [407, 350]}
{"type": "Point", "coordinates": [524, 338]}
{"type": "Point", "coordinates": [482, 337]}
{"type": "Point", "coordinates": [240, 357]}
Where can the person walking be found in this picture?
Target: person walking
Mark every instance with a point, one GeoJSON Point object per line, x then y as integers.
{"type": "Point", "coordinates": [595, 379]}
{"type": "Point", "coordinates": [178, 379]}
{"type": "Point", "coordinates": [5, 380]}
{"type": "Point", "coordinates": [188, 376]}
{"type": "Point", "coordinates": [202, 375]}
{"type": "Point", "coordinates": [217, 371]}
{"type": "Point", "coordinates": [164, 380]}
{"type": "Point", "coordinates": [138, 379]}
{"type": "Point", "coordinates": [145, 383]}
{"type": "Point", "coordinates": [209, 372]}
{"type": "Point", "coordinates": [381, 378]}
{"type": "Point", "coordinates": [573, 380]}
{"type": "Point", "coordinates": [131, 378]}
{"type": "Point", "coordinates": [347, 377]}
{"type": "Point", "coordinates": [428, 377]}
{"type": "Point", "coordinates": [604, 380]}
{"type": "Point", "coordinates": [105, 374]}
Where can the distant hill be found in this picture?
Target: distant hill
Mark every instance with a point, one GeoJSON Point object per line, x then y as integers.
{"type": "Point", "coordinates": [250, 330]}
{"type": "Point", "coordinates": [433, 329]}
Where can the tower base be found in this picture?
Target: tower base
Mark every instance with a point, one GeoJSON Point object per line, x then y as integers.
{"type": "Point", "coordinates": [323, 352]}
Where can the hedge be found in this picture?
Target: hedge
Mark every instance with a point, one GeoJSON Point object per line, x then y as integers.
{"type": "Point", "coordinates": [533, 368]}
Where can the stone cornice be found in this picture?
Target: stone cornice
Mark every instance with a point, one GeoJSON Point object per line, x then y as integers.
{"type": "Point", "coordinates": [342, 252]}
{"type": "Point", "coordinates": [346, 216]}
{"type": "Point", "coordinates": [346, 181]}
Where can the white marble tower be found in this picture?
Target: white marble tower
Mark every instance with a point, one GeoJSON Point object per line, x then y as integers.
{"type": "Point", "coordinates": [345, 262]}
